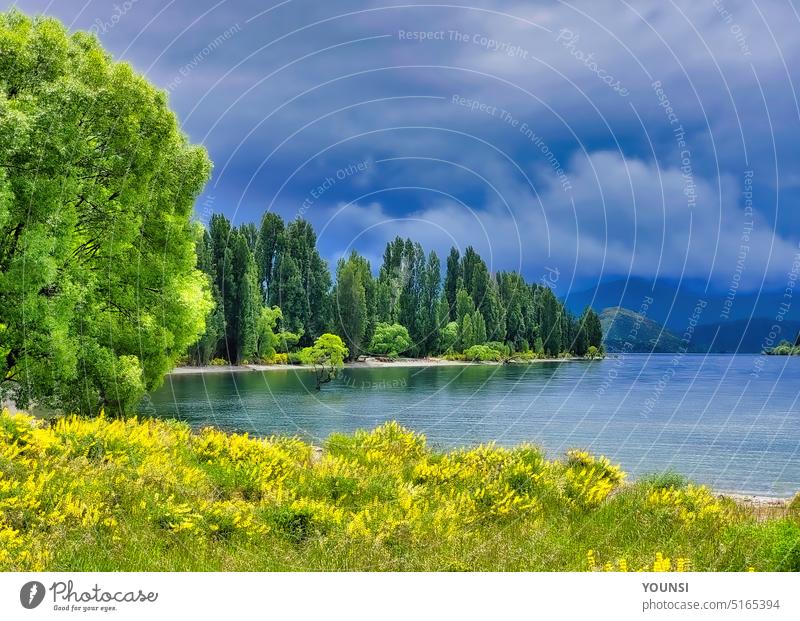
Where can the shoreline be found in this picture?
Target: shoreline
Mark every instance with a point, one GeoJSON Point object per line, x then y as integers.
{"type": "Point", "coordinates": [756, 501]}
{"type": "Point", "coordinates": [368, 363]}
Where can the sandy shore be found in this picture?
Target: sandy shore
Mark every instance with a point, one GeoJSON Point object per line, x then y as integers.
{"type": "Point", "coordinates": [761, 502]}
{"type": "Point", "coordinates": [368, 363]}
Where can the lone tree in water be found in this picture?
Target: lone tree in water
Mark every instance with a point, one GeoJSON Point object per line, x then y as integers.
{"type": "Point", "coordinates": [327, 356]}
{"type": "Point", "coordinates": [99, 291]}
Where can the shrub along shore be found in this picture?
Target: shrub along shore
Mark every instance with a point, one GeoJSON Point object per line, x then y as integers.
{"type": "Point", "coordinates": [147, 495]}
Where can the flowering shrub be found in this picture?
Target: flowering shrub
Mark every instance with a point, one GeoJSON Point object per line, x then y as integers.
{"type": "Point", "coordinates": [152, 495]}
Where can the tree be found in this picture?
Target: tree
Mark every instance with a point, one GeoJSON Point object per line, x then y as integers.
{"type": "Point", "coordinates": [429, 305]}
{"type": "Point", "coordinates": [267, 341]}
{"type": "Point", "coordinates": [594, 329]}
{"type": "Point", "coordinates": [449, 337]}
{"type": "Point", "coordinates": [267, 248]}
{"type": "Point", "coordinates": [244, 302]}
{"type": "Point", "coordinates": [487, 301]}
{"type": "Point", "coordinates": [203, 350]}
{"type": "Point", "coordinates": [466, 333]}
{"type": "Point", "coordinates": [580, 343]}
{"type": "Point", "coordinates": [411, 276]}
{"type": "Point", "coordinates": [350, 303]}
{"type": "Point", "coordinates": [390, 282]}
{"type": "Point", "coordinates": [99, 290]}
{"type": "Point", "coordinates": [464, 305]}
{"type": "Point", "coordinates": [390, 340]}
{"type": "Point", "coordinates": [249, 231]}
{"type": "Point", "coordinates": [515, 297]}
{"type": "Point", "coordinates": [469, 262]}
{"type": "Point", "coordinates": [287, 293]}
{"type": "Point", "coordinates": [550, 322]}
{"type": "Point", "coordinates": [327, 356]}
{"type": "Point", "coordinates": [314, 314]}
{"type": "Point", "coordinates": [452, 282]}
{"type": "Point", "coordinates": [479, 328]}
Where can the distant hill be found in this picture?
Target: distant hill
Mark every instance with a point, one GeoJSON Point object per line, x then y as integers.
{"type": "Point", "coordinates": [622, 326]}
{"type": "Point", "coordinates": [742, 335]}
{"type": "Point", "coordinates": [673, 303]}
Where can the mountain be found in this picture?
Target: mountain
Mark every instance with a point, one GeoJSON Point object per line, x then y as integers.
{"type": "Point", "coordinates": [744, 335]}
{"type": "Point", "coordinates": [673, 304]}
{"type": "Point", "coordinates": [627, 331]}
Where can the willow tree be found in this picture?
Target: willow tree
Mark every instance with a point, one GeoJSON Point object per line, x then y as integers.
{"type": "Point", "coordinates": [99, 291]}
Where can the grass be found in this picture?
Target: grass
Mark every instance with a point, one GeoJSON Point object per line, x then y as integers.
{"type": "Point", "coordinates": [146, 495]}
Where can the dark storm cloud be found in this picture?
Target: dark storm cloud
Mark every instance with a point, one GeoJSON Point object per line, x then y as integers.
{"type": "Point", "coordinates": [602, 138]}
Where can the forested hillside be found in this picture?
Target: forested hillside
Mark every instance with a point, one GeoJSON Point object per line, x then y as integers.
{"type": "Point", "coordinates": [274, 293]}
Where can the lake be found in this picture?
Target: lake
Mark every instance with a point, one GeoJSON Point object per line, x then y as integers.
{"type": "Point", "coordinates": [732, 422]}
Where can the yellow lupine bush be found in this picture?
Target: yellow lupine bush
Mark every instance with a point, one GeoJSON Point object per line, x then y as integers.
{"type": "Point", "coordinates": [589, 479]}
{"type": "Point", "coordinates": [689, 503]}
{"type": "Point", "coordinates": [77, 482]}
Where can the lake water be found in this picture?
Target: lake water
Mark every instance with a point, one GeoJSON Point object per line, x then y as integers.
{"type": "Point", "coordinates": [732, 422]}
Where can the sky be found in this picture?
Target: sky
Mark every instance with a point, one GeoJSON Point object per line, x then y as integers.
{"type": "Point", "coordinates": [577, 142]}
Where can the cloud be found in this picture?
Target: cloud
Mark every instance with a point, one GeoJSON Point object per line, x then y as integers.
{"type": "Point", "coordinates": [309, 88]}
{"type": "Point", "coordinates": [622, 217]}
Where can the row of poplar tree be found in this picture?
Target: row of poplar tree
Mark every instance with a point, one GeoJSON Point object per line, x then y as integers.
{"type": "Point", "coordinates": [270, 280]}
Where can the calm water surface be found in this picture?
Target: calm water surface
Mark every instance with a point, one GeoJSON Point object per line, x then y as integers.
{"type": "Point", "coordinates": [732, 422]}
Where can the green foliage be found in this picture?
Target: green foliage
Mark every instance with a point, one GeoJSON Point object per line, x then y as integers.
{"type": "Point", "coordinates": [594, 331]}
{"type": "Point", "coordinates": [267, 247]}
{"type": "Point", "coordinates": [665, 480]}
{"type": "Point", "coordinates": [354, 302]}
{"type": "Point", "coordinates": [390, 340]}
{"type": "Point", "coordinates": [550, 322]}
{"type": "Point", "coordinates": [483, 353]}
{"type": "Point", "coordinates": [452, 282]}
{"type": "Point", "coordinates": [266, 339]}
{"type": "Point", "coordinates": [784, 348]}
{"type": "Point", "coordinates": [464, 305]}
{"type": "Point", "coordinates": [449, 337]}
{"type": "Point", "coordinates": [99, 291]}
{"type": "Point", "coordinates": [593, 353]}
{"type": "Point", "coordinates": [312, 312]}
{"type": "Point", "coordinates": [429, 319]}
{"type": "Point", "coordinates": [408, 291]}
{"type": "Point", "coordinates": [326, 355]}
{"type": "Point", "coordinates": [286, 342]}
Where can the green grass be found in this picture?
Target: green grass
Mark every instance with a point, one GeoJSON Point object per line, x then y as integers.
{"type": "Point", "coordinates": [110, 495]}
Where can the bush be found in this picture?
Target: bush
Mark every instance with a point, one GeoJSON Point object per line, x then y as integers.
{"type": "Point", "coordinates": [502, 348]}
{"type": "Point", "coordinates": [101, 494]}
{"type": "Point", "coordinates": [218, 362]}
{"type": "Point", "coordinates": [482, 353]}
{"type": "Point", "coordinates": [664, 480]}
{"type": "Point", "coordinates": [593, 353]}
{"type": "Point", "coordinates": [390, 340]}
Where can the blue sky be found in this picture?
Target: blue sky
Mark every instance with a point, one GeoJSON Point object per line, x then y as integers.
{"type": "Point", "coordinates": [604, 139]}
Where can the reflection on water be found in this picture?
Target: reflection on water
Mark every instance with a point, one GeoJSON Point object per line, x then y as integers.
{"type": "Point", "coordinates": [728, 421]}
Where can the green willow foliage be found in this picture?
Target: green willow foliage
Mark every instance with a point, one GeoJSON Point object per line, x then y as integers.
{"type": "Point", "coordinates": [284, 269]}
{"type": "Point", "coordinates": [99, 291]}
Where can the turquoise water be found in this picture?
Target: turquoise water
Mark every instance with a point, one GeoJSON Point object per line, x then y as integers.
{"type": "Point", "coordinates": [732, 422]}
